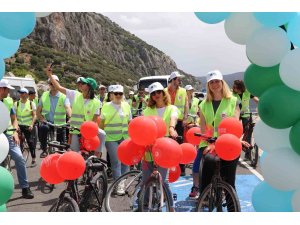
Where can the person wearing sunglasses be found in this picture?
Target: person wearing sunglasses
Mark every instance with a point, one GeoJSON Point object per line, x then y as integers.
{"type": "Point", "coordinates": [85, 107]}
{"type": "Point", "coordinates": [115, 117]}
{"type": "Point", "coordinates": [52, 107]}
{"type": "Point", "coordinates": [159, 104]}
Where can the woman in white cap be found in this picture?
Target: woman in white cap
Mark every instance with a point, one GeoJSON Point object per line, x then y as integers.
{"type": "Point", "coordinates": [218, 104]}
{"type": "Point", "coordinates": [159, 104]}
{"type": "Point", "coordinates": [115, 116]}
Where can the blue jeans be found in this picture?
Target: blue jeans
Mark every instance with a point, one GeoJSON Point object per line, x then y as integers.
{"type": "Point", "coordinates": [117, 167]}
{"type": "Point", "coordinates": [148, 167]}
{"type": "Point", "coordinates": [16, 155]}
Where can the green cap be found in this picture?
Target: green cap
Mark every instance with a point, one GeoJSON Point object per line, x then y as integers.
{"type": "Point", "coordinates": [91, 82]}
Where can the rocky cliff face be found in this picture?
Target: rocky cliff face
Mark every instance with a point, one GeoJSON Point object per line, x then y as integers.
{"type": "Point", "coordinates": [88, 34]}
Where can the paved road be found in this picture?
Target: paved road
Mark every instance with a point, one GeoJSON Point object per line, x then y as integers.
{"type": "Point", "coordinates": [246, 181]}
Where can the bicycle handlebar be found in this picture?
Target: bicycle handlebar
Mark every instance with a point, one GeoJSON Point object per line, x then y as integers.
{"type": "Point", "coordinates": [65, 125]}
{"type": "Point", "coordinates": [210, 140]}
{"type": "Point", "coordinates": [248, 113]}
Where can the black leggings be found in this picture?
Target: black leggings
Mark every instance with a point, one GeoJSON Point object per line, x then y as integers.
{"type": "Point", "coordinates": [180, 130]}
{"type": "Point", "coordinates": [228, 170]}
{"type": "Point", "coordinates": [29, 138]}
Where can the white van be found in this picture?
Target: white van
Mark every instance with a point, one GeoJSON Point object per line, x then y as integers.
{"type": "Point", "coordinates": [20, 82]}
{"type": "Point", "coordinates": [144, 82]}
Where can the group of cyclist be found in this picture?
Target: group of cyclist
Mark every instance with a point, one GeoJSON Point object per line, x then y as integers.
{"type": "Point", "coordinates": [173, 104]}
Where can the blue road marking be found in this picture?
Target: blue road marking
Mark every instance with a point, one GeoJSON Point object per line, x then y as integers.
{"type": "Point", "coordinates": [245, 185]}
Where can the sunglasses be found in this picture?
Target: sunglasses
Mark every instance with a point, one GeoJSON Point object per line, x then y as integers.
{"type": "Point", "coordinates": [118, 93]}
{"type": "Point", "coordinates": [156, 92]}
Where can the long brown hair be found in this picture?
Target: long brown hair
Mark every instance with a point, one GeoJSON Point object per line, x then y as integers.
{"type": "Point", "coordinates": [226, 93]}
{"type": "Point", "coordinates": [166, 99]}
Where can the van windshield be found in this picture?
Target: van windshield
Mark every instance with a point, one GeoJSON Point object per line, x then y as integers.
{"type": "Point", "coordinates": [146, 83]}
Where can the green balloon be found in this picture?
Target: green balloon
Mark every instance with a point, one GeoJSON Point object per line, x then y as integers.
{"type": "Point", "coordinates": [279, 107]}
{"type": "Point", "coordinates": [294, 137]}
{"type": "Point", "coordinates": [6, 185]}
{"type": "Point", "coordinates": [3, 208]}
{"type": "Point", "coordinates": [258, 79]}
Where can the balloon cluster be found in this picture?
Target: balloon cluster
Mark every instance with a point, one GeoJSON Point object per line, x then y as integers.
{"type": "Point", "coordinates": [89, 131]}
{"type": "Point", "coordinates": [13, 27]}
{"type": "Point", "coordinates": [148, 133]}
{"type": "Point", "coordinates": [273, 76]}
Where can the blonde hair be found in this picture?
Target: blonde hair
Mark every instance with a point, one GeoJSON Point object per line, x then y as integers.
{"type": "Point", "coordinates": [226, 93]}
{"type": "Point", "coordinates": [166, 99]}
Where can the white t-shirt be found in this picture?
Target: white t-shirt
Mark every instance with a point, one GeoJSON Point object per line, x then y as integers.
{"type": "Point", "coordinates": [160, 112]}
{"type": "Point", "coordinates": [22, 105]}
{"type": "Point", "coordinates": [70, 94]}
{"type": "Point", "coordinates": [118, 109]}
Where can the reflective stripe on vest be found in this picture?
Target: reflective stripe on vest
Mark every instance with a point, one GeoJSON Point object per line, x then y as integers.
{"type": "Point", "coordinates": [24, 116]}
{"type": "Point", "coordinates": [179, 101]}
{"type": "Point", "coordinates": [225, 109]}
{"type": "Point", "coordinates": [166, 117]}
{"type": "Point", "coordinates": [117, 127]}
{"type": "Point", "coordinates": [9, 106]}
{"type": "Point", "coordinates": [83, 112]}
{"type": "Point", "coordinates": [245, 101]}
{"type": "Point", "coordinates": [60, 111]}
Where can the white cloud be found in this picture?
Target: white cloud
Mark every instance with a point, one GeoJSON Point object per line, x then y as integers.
{"type": "Point", "coordinates": [196, 47]}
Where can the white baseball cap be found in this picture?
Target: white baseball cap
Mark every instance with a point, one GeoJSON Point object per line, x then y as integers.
{"type": "Point", "coordinates": [4, 83]}
{"type": "Point", "coordinates": [101, 86]}
{"type": "Point", "coordinates": [79, 79]}
{"type": "Point", "coordinates": [131, 92]}
{"type": "Point", "coordinates": [23, 90]}
{"type": "Point", "coordinates": [156, 86]}
{"type": "Point", "coordinates": [111, 88]}
{"type": "Point", "coordinates": [214, 75]}
{"type": "Point", "coordinates": [175, 74]}
{"type": "Point", "coordinates": [189, 87]}
{"type": "Point", "coordinates": [55, 78]}
{"type": "Point", "coordinates": [118, 88]}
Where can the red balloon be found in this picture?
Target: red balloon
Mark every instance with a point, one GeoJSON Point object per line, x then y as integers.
{"type": "Point", "coordinates": [89, 129]}
{"type": "Point", "coordinates": [228, 147]}
{"type": "Point", "coordinates": [190, 136]}
{"type": "Point", "coordinates": [161, 126]}
{"type": "Point", "coordinates": [230, 125]}
{"type": "Point", "coordinates": [166, 152]}
{"type": "Point", "coordinates": [130, 153]}
{"type": "Point", "coordinates": [48, 169]}
{"type": "Point", "coordinates": [188, 153]}
{"type": "Point", "coordinates": [91, 144]}
{"type": "Point", "coordinates": [71, 165]}
{"type": "Point", "coordinates": [142, 130]}
{"type": "Point", "coordinates": [174, 173]}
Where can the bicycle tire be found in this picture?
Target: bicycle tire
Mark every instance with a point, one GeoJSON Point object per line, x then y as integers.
{"type": "Point", "coordinates": [67, 204]}
{"type": "Point", "coordinates": [153, 184]}
{"type": "Point", "coordinates": [208, 202]}
{"type": "Point", "coordinates": [128, 201]}
{"type": "Point", "coordinates": [254, 156]}
{"type": "Point", "coordinates": [25, 150]}
{"type": "Point", "coordinates": [89, 202]}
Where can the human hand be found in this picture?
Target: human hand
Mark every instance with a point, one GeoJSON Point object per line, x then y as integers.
{"type": "Point", "coordinates": [16, 138]}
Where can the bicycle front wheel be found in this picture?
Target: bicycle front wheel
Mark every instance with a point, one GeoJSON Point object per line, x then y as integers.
{"type": "Point", "coordinates": [25, 150]}
{"type": "Point", "coordinates": [67, 204]}
{"type": "Point", "coordinates": [154, 198]}
{"type": "Point", "coordinates": [124, 199]}
{"type": "Point", "coordinates": [254, 155]}
{"type": "Point", "coordinates": [220, 198]}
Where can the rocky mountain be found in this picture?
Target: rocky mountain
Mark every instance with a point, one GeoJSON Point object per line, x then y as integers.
{"type": "Point", "coordinates": [89, 44]}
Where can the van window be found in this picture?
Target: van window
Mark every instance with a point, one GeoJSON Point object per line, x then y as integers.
{"type": "Point", "coordinates": [13, 93]}
{"type": "Point", "coordinates": [146, 83]}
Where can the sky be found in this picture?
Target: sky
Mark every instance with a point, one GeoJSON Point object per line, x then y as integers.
{"type": "Point", "coordinates": [196, 47]}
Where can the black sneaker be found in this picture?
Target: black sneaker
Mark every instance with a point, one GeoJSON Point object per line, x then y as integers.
{"type": "Point", "coordinates": [26, 193]}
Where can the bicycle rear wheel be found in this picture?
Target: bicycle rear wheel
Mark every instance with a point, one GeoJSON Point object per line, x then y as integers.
{"type": "Point", "coordinates": [67, 204]}
{"type": "Point", "coordinates": [126, 202]}
{"type": "Point", "coordinates": [25, 149]}
{"type": "Point", "coordinates": [220, 198]}
{"type": "Point", "coordinates": [254, 156]}
{"type": "Point", "coordinates": [154, 198]}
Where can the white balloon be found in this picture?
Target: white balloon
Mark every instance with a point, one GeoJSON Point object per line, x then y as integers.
{"type": "Point", "coordinates": [281, 168]}
{"type": "Point", "coordinates": [289, 69]}
{"type": "Point", "coordinates": [4, 147]}
{"type": "Point", "coordinates": [42, 14]}
{"type": "Point", "coordinates": [5, 117]}
{"type": "Point", "coordinates": [267, 46]}
{"type": "Point", "coordinates": [296, 201]}
{"type": "Point", "coordinates": [269, 139]}
{"type": "Point", "coordinates": [240, 26]}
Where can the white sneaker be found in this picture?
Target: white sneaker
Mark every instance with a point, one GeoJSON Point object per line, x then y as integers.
{"type": "Point", "coordinates": [121, 188]}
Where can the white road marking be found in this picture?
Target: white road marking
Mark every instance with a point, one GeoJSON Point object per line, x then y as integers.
{"type": "Point", "coordinates": [251, 169]}
{"type": "Point", "coordinates": [181, 185]}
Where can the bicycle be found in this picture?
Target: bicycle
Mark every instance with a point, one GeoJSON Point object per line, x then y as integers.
{"type": "Point", "coordinates": [251, 153]}
{"type": "Point", "coordinates": [94, 181]}
{"type": "Point", "coordinates": [218, 195]}
{"type": "Point", "coordinates": [23, 143]}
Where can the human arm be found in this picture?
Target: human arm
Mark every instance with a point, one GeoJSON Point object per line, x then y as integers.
{"type": "Point", "coordinates": [54, 82]}
{"type": "Point", "coordinates": [15, 124]}
{"type": "Point", "coordinates": [186, 111]}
